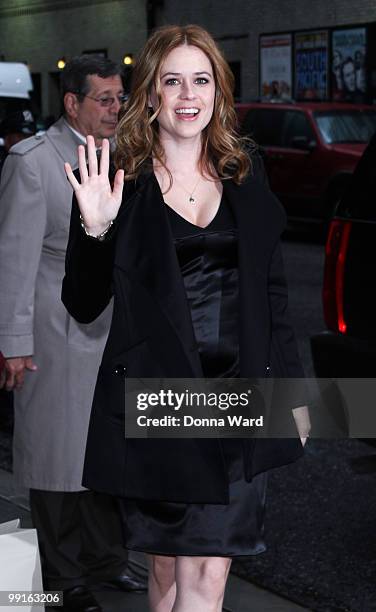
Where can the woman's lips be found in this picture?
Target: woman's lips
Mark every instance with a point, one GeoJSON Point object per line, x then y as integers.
{"type": "Point", "coordinates": [187, 113]}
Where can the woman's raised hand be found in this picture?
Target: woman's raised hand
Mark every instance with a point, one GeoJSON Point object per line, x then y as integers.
{"type": "Point", "coordinates": [99, 204]}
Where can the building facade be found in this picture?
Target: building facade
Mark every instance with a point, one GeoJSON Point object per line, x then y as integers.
{"type": "Point", "coordinates": [296, 48]}
{"type": "Point", "coordinates": [241, 26]}
{"type": "Point", "coordinates": [41, 32]}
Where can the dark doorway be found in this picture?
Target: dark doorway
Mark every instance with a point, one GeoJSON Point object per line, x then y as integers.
{"type": "Point", "coordinates": [236, 68]}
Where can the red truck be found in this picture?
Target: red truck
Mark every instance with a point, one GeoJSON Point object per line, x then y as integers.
{"type": "Point", "coordinates": [311, 150]}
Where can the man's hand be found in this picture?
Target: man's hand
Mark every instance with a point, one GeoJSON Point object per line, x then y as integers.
{"type": "Point", "coordinates": [15, 372]}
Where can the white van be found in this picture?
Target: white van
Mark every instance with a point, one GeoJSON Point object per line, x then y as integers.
{"type": "Point", "coordinates": [15, 80]}
{"type": "Point", "coordinates": [15, 88]}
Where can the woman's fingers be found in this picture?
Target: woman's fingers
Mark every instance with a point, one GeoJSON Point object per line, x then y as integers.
{"type": "Point", "coordinates": [90, 181]}
{"type": "Point", "coordinates": [105, 158]}
{"type": "Point", "coordinates": [70, 176]}
{"type": "Point", "coordinates": [118, 185]}
{"type": "Point", "coordinates": [82, 163]}
{"type": "Point", "coordinates": [92, 156]}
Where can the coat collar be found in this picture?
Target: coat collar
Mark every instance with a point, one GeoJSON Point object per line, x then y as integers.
{"type": "Point", "coordinates": [64, 141]}
{"type": "Point", "coordinates": [146, 251]}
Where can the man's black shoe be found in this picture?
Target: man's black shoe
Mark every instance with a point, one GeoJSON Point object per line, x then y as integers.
{"type": "Point", "coordinates": [127, 583]}
{"type": "Point", "coordinates": [80, 599]}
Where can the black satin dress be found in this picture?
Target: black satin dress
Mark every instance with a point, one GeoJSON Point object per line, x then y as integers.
{"type": "Point", "coordinates": [208, 262]}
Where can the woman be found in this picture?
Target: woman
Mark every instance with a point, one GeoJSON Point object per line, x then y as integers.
{"type": "Point", "coordinates": [190, 253]}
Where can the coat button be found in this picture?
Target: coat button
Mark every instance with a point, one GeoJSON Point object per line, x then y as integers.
{"type": "Point", "coordinates": [120, 370]}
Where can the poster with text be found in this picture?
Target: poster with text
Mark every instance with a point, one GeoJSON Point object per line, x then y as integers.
{"type": "Point", "coordinates": [311, 65]}
{"type": "Point", "coordinates": [348, 65]}
{"type": "Point", "coordinates": [275, 66]}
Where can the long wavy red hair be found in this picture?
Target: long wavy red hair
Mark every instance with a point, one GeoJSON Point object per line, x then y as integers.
{"type": "Point", "coordinates": [224, 151]}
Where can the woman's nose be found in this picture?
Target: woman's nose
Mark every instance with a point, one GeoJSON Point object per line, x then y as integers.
{"type": "Point", "coordinates": [187, 90]}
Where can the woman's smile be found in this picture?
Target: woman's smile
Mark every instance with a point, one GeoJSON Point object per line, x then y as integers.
{"type": "Point", "coordinates": [189, 113]}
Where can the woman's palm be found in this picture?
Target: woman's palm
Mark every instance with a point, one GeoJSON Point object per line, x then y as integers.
{"type": "Point", "coordinates": [98, 202]}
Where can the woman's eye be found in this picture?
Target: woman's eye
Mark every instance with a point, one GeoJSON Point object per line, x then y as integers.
{"type": "Point", "coordinates": [172, 82]}
{"type": "Point", "coordinates": [202, 81]}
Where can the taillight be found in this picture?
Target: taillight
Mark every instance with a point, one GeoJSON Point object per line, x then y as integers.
{"type": "Point", "coordinates": [335, 258]}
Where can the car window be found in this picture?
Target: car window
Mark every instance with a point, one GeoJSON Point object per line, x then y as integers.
{"type": "Point", "coordinates": [346, 126]}
{"type": "Point", "coordinates": [296, 124]}
{"type": "Point", "coordinates": [359, 201]}
{"type": "Point", "coordinates": [264, 126]}
{"type": "Point", "coordinates": [11, 105]}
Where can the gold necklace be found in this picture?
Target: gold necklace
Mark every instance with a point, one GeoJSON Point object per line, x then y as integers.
{"type": "Point", "coordinates": [191, 199]}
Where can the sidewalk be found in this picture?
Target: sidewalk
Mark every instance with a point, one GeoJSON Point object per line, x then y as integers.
{"type": "Point", "coordinates": [241, 596]}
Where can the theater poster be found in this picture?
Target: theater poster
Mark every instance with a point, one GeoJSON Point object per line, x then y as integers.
{"type": "Point", "coordinates": [348, 65]}
{"type": "Point", "coordinates": [275, 66]}
{"type": "Point", "coordinates": [311, 65]}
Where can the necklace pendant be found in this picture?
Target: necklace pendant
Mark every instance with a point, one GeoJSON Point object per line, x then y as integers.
{"type": "Point", "coordinates": [192, 200]}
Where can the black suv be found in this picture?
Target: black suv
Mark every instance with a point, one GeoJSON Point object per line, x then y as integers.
{"type": "Point", "coordinates": [348, 348]}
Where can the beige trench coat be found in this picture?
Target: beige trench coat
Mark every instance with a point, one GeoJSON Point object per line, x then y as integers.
{"type": "Point", "coordinates": [52, 410]}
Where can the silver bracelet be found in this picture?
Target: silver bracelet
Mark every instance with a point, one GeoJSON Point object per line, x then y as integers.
{"type": "Point", "coordinates": [99, 237]}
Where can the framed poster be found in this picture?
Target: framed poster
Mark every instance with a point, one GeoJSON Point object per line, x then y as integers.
{"type": "Point", "coordinates": [311, 65]}
{"type": "Point", "coordinates": [275, 66]}
{"type": "Point", "coordinates": [348, 65]}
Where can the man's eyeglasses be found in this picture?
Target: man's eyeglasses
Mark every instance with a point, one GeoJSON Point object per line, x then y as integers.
{"type": "Point", "coordinates": [106, 101]}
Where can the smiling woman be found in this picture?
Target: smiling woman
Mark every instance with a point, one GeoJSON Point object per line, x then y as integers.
{"type": "Point", "coordinates": [191, 254]}
{"type": "Point", "coordinates": [206, 80]}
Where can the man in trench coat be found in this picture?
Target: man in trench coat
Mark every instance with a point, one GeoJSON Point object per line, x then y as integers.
{"type": "Point", "coordinates": [52, 357]}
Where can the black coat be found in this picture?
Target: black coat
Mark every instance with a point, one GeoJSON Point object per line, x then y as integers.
{"type": "Point", "coordinates": [152, 336]}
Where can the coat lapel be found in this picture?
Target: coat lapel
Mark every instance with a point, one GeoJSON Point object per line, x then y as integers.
{"type": "Point", "coordinates": [257, 234]}
{"type": "Point", "coordinates": [147, 252]}
{"type": "Point", "coordinates": [64, 141]}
